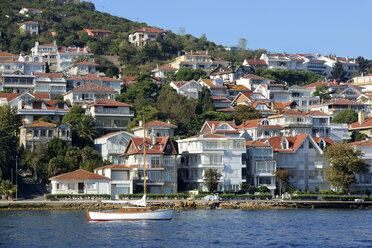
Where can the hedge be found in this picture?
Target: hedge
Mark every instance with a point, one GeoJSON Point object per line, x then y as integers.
{"type": "Point", "coordinates": [154, 196]}
{"type": "Point", "coordinates": [341, 197]}
{"type": "Point", "coordinates": [304, 197]}
{"type": "Point", "coordinates": [77, 196]}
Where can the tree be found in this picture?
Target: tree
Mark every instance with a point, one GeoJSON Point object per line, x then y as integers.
{"type": "Point", "coordinates": [7, 188]}
{"type": "Point", "coordinates": [75, 114]}
{"type": "Point", "coordinates": [345, 163]}
{"type": "Point", "coordinates": [346, 116]}
{"type": "Point", "coordinates": [211, 177]}
{"type": "Point", "coordinates": [321, 90]}
{"type": "Point", "coordinates": [243, 113]}
{"type": "Point", "coordinates": [86, 131]}
{"type": "Point", "coordinates": [357, 136]}
{"type": "Point", "coordinates": [59, 98]}
{"type": "Point", "coordinates": [242, 44]}
{"type": "Point", "coordinates": [187, 74]}
{"type": "Point", "coordinates": [338, 71]}
{"type": "Point", "coordinates": [205, 102]}
{"type": "Point", "coordinates": [282, 176]}
{"type": "Point", "coordinates": [363, 65]}
{"type": "Point", "coordinates": [247, 188]}
{"type": "Point", "coordinates": [57, 147]}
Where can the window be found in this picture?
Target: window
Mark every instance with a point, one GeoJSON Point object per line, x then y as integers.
{"type": "Point", "coordinates": [211, 145]}
{"type": "Point", "coordinates": [155, 160]}
{"type": "Point", "coordinates": [70, 186]}
{"type": "Point", "coordinates": [215, 159]}
{"type": "Point", "coordinates": [91, 185]}
{"type": "Point", "coordinates": [310, 145]}
{"type": "Point", "coordinates": [57, 186]}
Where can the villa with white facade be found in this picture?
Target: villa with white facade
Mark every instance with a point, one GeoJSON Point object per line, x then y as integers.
{"type": "Point", "coordinates": [201, 152]}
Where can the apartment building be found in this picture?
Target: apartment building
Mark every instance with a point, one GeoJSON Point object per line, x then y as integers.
{"type": "Point", "coordinates": [201, 152]}
{"type": "Point", "coordinates": [158, 128]}
{"type": "Point", "coordinates": [40, 133]}
{"type": "Point", "coordinates": [52, 83]}
{"type": "Point", "coordinates": [161, 167]}
{"type": "Point", "coordinates": [87, 93]}
{"type": "Point", "coordinates": [194, 60]}
{"type": "Point", "coordinates": [143, 36]}
{"type": "Point", "coordinates": [109, 115]}
{"type": "Point", "coordinates": [112, 145]}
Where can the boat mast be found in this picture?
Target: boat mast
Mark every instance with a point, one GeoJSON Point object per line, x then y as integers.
{"type": "Point", "coordinates": [144, 155]}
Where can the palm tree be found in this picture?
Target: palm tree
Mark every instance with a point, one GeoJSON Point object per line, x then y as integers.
{"type": "Point", "coordinates": [85, 131]}
{"type": "Point", "coordinates": [7, 188]}
{"type": "Point", "coordinates": [282, 176]}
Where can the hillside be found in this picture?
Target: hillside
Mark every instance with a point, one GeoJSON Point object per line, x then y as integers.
{"type": "Point", "coordinates": [68, 20]}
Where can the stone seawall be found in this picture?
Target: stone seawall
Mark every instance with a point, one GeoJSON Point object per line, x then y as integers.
{"type": "Point", "coordinates": [186, 204]}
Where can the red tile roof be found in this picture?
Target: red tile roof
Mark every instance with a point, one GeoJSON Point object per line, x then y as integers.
{"type": "Point", "coordinates": [41, 124]}
{"type": "Point", "coordinates": [157, 124]}
{"type": "Point", "coordinates": [215, 136]}
{"type": "Point", "coordinates": [109, 103]}
{"type": "Point", "coordinates": [221, 60]}
{"type": "Point", "coordinates": [41, 96]}
{"type": "Point", "coordinates": [93, 87]}
{"type": "Point", "coordinates": [361, 143]}
{"type": "Point", "coordinates": [149, 30]}
{"type": "Point", "coordinates": [210, 84]}
{"type": "Point", "coordinates": [62, 49]}
{"type": "Point", "coordinates": [48, 45]}
{"type": "Point", "coordinates": [339, 102]}
{"type": "Point", "coordinates": [294, 142]}
{"type": "Point", "coordinates": [94, 77]}
{"type": "Point", "coordinates": [78, 174]}
{"type": "Point", "coordinates": [367, 123]}
{"type": "Point", "coordinates": [51, 75]}
{"type": "Point", "coordinates": [108, 134]}
{"type": "Point", "coordinates": [290, 112]}
{"type": "Point", "coordinates": [315, 112]}
{"type": "Point", "coordinates": [254, 124]}
{"type": "Point", "coordinates": [256, 143]}
{"type": "Point", "coordinates": [9, 96]}
{"type": "Point", "coordinates": [30, 22]}
{"type": "Point", "coordinates": [238, 87]}
{"type": "Point", "coordinates": [129, 79]}
{"type": "Point", "coordinates": [221, 72]}
{"type": "Point", "coordinates": [326, 139]}
{"type": "Point", "coordinates": [220, 99]}
{"type": "Point", "coordinates": [259, 62]}
{"type": "Point", "coordinates": [179, 84]}
{"type": "Point", "coordinates": [6, 54]}
{"type": "Point", "coordinates": [225, 110]}
{"type": "Point", "coordinates": [216, 124]}
{"type": "Point", "coordinates": [252, 76]}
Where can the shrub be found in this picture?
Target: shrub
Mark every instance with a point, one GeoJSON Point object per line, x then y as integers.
{"type": "Point", "coordinates": [342, 197]}
{"type": "Point", "coordinates": [77, 196]}
{"type": "Point", "coordinates": [304, 197]}
{"type": "Point", "coordinates": [263, 189]}
{"type": "Point", "coordinates": [326, 192]}
{"type": "Point", "coordinates": [154, 196]}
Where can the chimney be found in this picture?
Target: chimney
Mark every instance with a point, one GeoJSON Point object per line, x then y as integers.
{"type": "Point", "coordinates": [361, 117]}
{"type": "Point", "coordinates": [54, 43]}
{"type": "Point", "coordinates": [272, 107]}
{"type": "Point", "coordinates": [140, 123]}
{"type": "Point", "coordinates": [36, 43]}
{"type": "Point", "coordinates": [168, 122]}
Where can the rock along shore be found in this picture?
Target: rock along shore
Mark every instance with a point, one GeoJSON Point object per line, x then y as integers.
{"type": "Point", "coordinates": [186, 204]}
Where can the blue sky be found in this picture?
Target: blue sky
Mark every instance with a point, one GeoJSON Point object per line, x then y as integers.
{"type": "Point", "coordinates": [339, 27]}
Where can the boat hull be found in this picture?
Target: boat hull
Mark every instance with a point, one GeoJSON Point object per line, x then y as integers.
{"type": "Point", "coordinates": [122, 216]}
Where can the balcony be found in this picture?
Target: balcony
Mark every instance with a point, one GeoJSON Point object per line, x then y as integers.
{"type": "Point", "coordinates": [150, 182]}
{"type": "Point", "coordinates": [148, 166]}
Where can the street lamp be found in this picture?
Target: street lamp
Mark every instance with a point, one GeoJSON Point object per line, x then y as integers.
{"type": "Point", "coordinates": [16, 174]}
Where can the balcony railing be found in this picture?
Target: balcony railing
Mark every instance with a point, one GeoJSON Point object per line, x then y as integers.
{"type": "Point", "coordinates": [150, 181]}
{"type": "Point", "coordinates": [148, 166]}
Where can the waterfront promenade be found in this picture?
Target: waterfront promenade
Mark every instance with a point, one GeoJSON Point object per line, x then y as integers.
{"type": "Point", "coordinates": [185, 204]}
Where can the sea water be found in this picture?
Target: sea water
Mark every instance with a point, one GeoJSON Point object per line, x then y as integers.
{"type": "Point", "coordinates": [191, 228]}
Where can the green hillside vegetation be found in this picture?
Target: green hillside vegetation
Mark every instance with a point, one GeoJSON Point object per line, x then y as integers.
{"type": "Point", "coordinates": [69, 19]}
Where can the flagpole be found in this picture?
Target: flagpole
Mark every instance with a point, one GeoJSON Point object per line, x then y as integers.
{"type": "Point", "coordinates": [144, 155]}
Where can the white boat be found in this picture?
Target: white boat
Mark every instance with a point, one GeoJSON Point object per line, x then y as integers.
{"type": "Point", "coordinates": [132, 213]}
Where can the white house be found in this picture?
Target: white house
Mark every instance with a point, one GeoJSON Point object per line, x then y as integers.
{"type": "Point", "coordinates": [364, 181]}
{"type": "Point", "coordinates": [30, 27]}
{"type": "Point", "coordinates": [143, 36]}
{"type": "Point", "coordinates": [190, 89]}
{"type": "Point", "coordinates": [112, 145]}
{"type": "Point", "coordinates": [304, 159]}
{"type": "Point", "coordinates": [121, 178]}
{"type": "Point", "coordinates": [201, 152]}
{"type": "Point", "coordinates": [259, 129]}
{"type": "Point", "coordinates": [260, 165]}
{"type": "Point", "coordinates": [79, 182]}
{"type": "Point", "coordinates": [87, 93]}
{"type": "Point", "coordinates": [159, 128]}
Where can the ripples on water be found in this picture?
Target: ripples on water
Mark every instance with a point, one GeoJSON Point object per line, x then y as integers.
{"type": "Point", "coordinates": [192, 228]}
